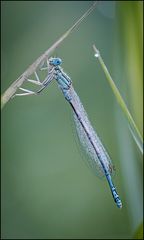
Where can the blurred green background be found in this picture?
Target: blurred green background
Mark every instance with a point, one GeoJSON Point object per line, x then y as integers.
{"type": "Point", "coordinates": [47, 190]}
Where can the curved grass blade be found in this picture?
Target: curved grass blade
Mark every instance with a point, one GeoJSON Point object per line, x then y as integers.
{"type": "Point", "coordinates": [136, 138]}
{"type": "Point", "coordinates": [134, 129]}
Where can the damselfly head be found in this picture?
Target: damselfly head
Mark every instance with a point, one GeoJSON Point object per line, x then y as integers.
{"type": "Point", "coordinates": [55, 61]}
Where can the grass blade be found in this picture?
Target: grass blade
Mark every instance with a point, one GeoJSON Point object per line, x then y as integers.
{"type": "Point", "coordinates": [17, 83]}
{"type": "Point", "coordinates": [134, 129]}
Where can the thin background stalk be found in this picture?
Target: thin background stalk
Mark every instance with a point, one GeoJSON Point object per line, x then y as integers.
{"type": "Point", "coordinates": [17, 83]}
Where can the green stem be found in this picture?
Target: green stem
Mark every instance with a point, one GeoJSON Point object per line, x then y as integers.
{"type": "Point", "coordinates": [118, 96]}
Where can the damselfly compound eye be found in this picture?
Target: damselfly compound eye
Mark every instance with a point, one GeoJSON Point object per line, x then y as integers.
{"type": "Point", "coordinates": [55, 61]}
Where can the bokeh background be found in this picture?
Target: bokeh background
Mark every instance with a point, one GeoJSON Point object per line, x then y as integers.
{"type": "Point", "coordinates": [47, 190]}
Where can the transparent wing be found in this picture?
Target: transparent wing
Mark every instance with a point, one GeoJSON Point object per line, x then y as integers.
{"type": "Point", "coordinates": [93, 160]}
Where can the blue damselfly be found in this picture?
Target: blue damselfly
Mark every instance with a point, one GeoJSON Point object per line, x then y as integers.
{"type": "Point", "coordinates": [88, 137]}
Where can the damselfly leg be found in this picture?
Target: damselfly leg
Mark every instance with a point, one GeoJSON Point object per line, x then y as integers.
{"type": "Point", "coordinates": [36, 81]}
